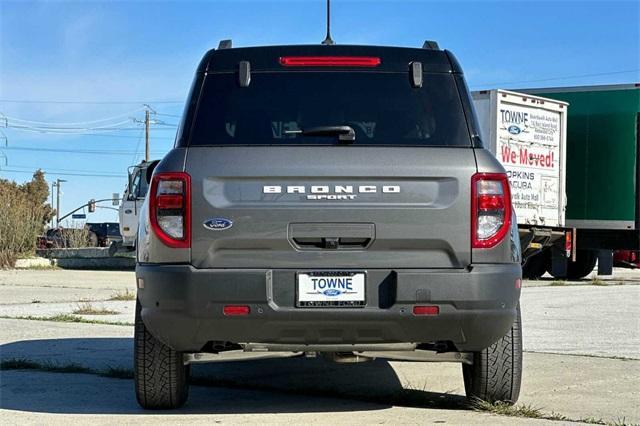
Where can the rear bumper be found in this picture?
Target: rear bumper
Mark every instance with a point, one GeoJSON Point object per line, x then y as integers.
{"type": "Point", "coordinates": [183, 307]}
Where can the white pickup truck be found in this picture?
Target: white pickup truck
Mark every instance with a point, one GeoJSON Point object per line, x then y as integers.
{"type": "Point", "coordinates": [134, 195]}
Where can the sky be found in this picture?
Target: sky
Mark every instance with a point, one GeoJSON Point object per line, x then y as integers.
{"type": "Point", "coordinates": [90, 66]}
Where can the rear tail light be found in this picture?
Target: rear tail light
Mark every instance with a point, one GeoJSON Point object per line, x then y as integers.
{"type": "Point", "coordinates": [329, 61]}
{"type": "Point", "coordinates": [169, 208]}
{"type": "Point", "coordinates": [236, 310]}
{"type": "Point", "coordinates": [426, 310]}
{"type": "Point", "coordinates": [490, 209]}
{"type": "Point", "coordinates": [568, 243]}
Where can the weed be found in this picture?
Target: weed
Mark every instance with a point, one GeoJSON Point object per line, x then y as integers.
{"type": "Point", "coordinates": [40, 267]}
{"type": "Point", "coordinates": [24, 364]}
{"type": "Point", "coordinates": [598, 281]}
{"type": "Point", "coordinates": [66, 318]}
{"type": "Point", "coordinates": [117, 373]}
{"type": "Point", "coordinates": [557, 283]}
{"type": "Point", "coordinates": [86, 308]}
{"type": "Point", "coordinates": [123, 295]}
{"type": "Point", "coordinates": [506, 409]}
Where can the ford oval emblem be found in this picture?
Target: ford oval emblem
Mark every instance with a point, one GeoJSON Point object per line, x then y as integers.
{"type": "Point", "coordinates": [332, 292]}
{"type": "Point", "coordinates": [514, 130]}
{"type": "Point", "coordinates": [218, 224]}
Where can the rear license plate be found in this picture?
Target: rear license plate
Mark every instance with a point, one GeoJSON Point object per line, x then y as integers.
{"type": "Point", "coordinates": [331, 289]}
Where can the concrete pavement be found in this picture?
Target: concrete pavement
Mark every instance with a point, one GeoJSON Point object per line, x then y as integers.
{"type": "Point", "coordinates": [577, 322]}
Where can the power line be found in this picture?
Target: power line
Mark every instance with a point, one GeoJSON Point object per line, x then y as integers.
{"type": "Point", "coordinates": [558, 78]}
{"type": "Point", "coordinates": [67, 174]}
{"type": "Point", "coordinates": [34, 101]}
{"type": "Point", "coordinates": [22, 120]}
{"type": "Point", "coordinates": [135, 154]}
{"type": "Point", "coordinates": [54, 169]}
{"type": "Point", "coordinates": [78, 151]}
{"type": "Point", "coordinates": [103, 135]}
{"type": "Point", "coordinates": [79, 131]}
{"type": "Point", "coordinates": [169, 115]}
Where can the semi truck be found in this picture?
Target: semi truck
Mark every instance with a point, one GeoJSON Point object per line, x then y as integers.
{"type": "Point", "coordinates": [599, 176]}
{"type": "Point", "coordinates": [527, 134]}
{"type": "Point", "coordinates": [603, 172]}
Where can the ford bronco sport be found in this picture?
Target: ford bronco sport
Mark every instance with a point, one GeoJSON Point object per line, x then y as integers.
{"type": "Point", "coordinates": [333, 200]}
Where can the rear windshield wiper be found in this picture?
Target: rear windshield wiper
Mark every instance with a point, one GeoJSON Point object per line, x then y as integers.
{"type": "Point", "coordinates": [345, 134]}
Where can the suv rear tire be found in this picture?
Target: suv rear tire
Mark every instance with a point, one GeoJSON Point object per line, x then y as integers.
{"type": "Point", "coordinates": [161, 378]}
{"type": "Point", "coordinates": [496, 372]}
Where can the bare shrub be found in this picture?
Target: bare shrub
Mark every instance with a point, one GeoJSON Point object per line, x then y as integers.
{"type": "Point", "coordinates": [24, 213]}
{"type": "Point", "coordinates": [76, 237]}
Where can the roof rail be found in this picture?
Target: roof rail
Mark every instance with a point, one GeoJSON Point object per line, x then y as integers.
{"type": "Point", "coordinates": [431, 45]}
{"type": "Point", "coordinates": [224, 44]}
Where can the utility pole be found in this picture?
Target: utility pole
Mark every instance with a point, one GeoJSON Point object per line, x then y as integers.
{"type": "Point", "coordinates": [147, 127]}
{"type": "Point", "coordinates": [53, 185]}
{"type": "Point", "coordinates": [58, 182]}
{"type": "Point", "coordinates": [146, 135]}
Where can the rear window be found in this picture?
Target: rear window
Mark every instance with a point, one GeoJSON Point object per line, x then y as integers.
{"type": "Point", "coordinates": [382, 108]}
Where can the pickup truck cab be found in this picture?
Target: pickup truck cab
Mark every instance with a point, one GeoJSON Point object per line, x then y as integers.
{"type": "Point", "coordinates": [328, 199]}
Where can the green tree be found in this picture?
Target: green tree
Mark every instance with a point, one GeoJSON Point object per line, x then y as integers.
{"type": "Point", "coordinates": [37, 190]}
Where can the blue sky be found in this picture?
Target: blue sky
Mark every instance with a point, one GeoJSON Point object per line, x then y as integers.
{"type": "Point", "coordinates": [96, 63]}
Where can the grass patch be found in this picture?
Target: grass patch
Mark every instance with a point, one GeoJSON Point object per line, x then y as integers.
{"type": "Point", "coordinates": [25, 364]}
{"type": "Point", "coordinates": [50, 367]}
{"type": "Point", "coordinates": [504, 409]}
{"type": "Point", "coordinates": [67, 318]}
{"type": "Point", "coordinates": [528, 411]}
{"type": "Point", "coordinates": [598, 281]}
{"type": "Point", "coordinates": [557, 283]}
{"type": "Point", "coordinates": [123, 295]}
{"type": "Point", "coordinates": [117, 373]}
{"type": "Point", "coordinates": [86, 308]}
{"type": "Point", "coordinates": [38, 268]}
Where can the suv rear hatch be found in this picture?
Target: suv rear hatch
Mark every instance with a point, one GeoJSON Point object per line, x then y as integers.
{"type": "Point", "coordinates": [398, 196]}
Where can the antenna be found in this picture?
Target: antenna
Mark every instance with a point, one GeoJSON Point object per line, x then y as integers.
{"type": "Point", "coordinates": [328, 40]}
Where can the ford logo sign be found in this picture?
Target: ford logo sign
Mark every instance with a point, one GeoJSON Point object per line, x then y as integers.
{"type": "Point", "coordinates": [332, 292]}
{"type": "Point", "coordinates": [514, 130]}
{"type": "Point", "coordinates": [218, 224]}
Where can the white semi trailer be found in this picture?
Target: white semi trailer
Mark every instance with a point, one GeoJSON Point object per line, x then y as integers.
{"type": "Point", "coordinates": [528, 136]}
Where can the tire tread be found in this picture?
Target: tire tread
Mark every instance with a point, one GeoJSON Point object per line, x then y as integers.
{"type": "Point", "coordinates": [161, 379]}
{"type": "Point", "coordinates": [496, 372]}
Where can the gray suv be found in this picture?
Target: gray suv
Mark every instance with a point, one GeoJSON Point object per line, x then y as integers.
{"type": "Point", "coordinates": [331, 200]}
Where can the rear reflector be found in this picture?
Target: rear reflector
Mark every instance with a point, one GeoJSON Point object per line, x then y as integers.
{"type": "Point", "coordinates": [329, 61]}
{"type": "Point", "coordinates": [235, 310]}
{"type": "Point", "coordinates": [426, 310]}
{"type": "Point", "coordinates": [167, 201]}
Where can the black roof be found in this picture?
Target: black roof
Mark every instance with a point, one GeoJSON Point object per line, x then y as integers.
{"type": "Point", "coordinates": [266, 58]}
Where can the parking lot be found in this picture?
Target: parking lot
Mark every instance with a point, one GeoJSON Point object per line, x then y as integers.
{"type": "Point", "coordinates": [66, 348]}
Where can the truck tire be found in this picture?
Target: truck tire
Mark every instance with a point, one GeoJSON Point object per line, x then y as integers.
{"type": "Point", "coordinates": [584, 264]}
{"type": "Point", "coordinates": [536, 266]}
{"type": "Point", "coordinates": [161, 378]}
{"type": "Point", "coordinates": [496, 372]}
